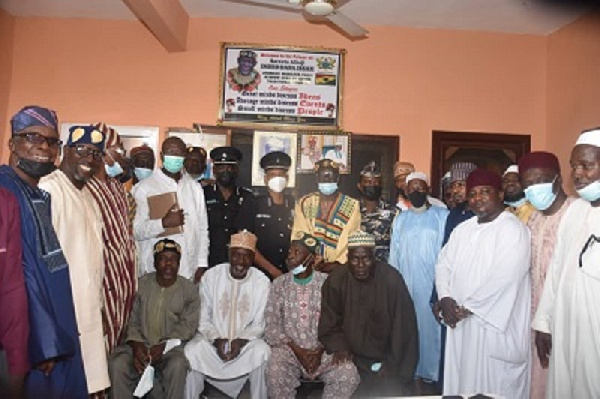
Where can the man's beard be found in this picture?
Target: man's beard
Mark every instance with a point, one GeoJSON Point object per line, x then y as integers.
{"type": "Point", "coordinates": [514, 197]}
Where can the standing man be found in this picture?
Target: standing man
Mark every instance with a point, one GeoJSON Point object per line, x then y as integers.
{"type": "Point", "coordinates": [401, 170]}
{"type": "Point", "coordinates": [120, 280]}
{"type": "Point", "coordinates": [514, 196]}
{"type": "Point", "coordinates": [53, 342]}
{"type": "Point", "coordinates": [14, 323]}
{"type": "Point", "coordinates": [189, 212]}
{"type": "Point", "coordinates": [270, 216]}
{"type": "Point", "coordinates": [292, 318]}
{"type": "Point", "coordinates": [540, 174]}
{"type": "Point", "coordinates": [568, 315]}
{"type": "Point", "coordinates": [229, 348]}
{"type": "Point", "coordinates": [78, 224]}
{"type": "Point", "coordinates": [329, 216]}
{"type": "Point", "coordinates": [223, 201]}
{"type": "Point", "coordinates": [376, 215]}
{"type": "Point", "coordinates": [368, 317]}
{"type": "Point", "coordinates": [416, 242]}
{"type": "Point", "coordinates": [154, 336]}
{"type": "Point", "coordinates": [195, 163]}
{"type": "Point", "coordinates": [143, 161]}
{"type": "Point", "coordinates": [483, 282]}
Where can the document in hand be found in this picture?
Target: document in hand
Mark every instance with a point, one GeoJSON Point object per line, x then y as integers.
{"type": "Point", "coordinates": [159, 206]}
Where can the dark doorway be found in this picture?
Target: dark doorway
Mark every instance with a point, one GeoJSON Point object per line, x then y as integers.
{"type": "Point", "coordinates": [491, 151]}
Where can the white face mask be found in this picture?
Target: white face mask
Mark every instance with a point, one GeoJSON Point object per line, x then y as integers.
{"type": "Point", "coordinates": [277, 184]}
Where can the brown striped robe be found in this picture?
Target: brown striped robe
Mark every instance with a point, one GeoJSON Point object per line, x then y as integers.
{"type": "Point", "coordinates": [120, 280]}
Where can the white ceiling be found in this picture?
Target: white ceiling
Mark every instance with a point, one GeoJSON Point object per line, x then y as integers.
{"type": "Point", "coordinates": [511, 16]}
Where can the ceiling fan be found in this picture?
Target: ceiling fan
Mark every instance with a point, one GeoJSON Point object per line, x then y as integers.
{"type": "Point", "coordinates": [314, 10]}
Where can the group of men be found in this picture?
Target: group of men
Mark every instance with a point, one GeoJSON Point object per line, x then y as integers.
{"type": "Point", "coordinates": [161, 286]}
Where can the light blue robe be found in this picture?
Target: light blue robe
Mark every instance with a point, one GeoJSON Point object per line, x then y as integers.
{"type": "Point", "coordinates": [416, 242]}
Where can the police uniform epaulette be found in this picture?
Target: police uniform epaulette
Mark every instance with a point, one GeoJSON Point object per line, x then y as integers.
{"type": "Point", "coordinates": [242, 188]}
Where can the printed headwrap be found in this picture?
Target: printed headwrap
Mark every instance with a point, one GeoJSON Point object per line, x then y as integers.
{"type": "Point", "coordinates": [32, 115]}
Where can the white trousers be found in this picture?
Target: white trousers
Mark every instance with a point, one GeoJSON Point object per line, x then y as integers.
{"type": "Point", "coordinates": [194, 384]}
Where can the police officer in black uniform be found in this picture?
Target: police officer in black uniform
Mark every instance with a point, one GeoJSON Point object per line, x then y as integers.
{"type": "Point", "coordinates": [270, 216]}
{"type": "Point", "coordinates": [223, 202]}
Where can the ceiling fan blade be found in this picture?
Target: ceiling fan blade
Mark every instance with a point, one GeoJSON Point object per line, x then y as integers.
{"type": "Point", "coordinates": [340, 3]}
{"type": "Point", "coordinates": [272, 4]}
{"type": "Point", "coordinates": [351, 28]}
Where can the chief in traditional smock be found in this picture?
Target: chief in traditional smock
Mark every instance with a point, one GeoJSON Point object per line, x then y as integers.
{"type": "Point", "coordinates": [78, 224]}
{"type": "Point", "coordinates": [229, 349]}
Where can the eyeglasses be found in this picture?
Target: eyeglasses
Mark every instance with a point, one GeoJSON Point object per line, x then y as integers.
{"type": "Point", "coordinates": [588, 244]}
{"type": "Point", "coordinates": [39, 139]}
{"type": "Point", "coordinates": [85, 152]}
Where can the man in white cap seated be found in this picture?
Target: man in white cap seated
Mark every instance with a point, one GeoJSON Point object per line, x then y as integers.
{"type": "Point", "coordinates": [228, 349]}
{"type": "Point", "coordinates": [417, 236]}
{"type": "Point", "coordinates": [568, 315]}
{"type": "Point", "coordinates": [514, 194]}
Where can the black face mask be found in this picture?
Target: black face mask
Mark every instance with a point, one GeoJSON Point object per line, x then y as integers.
{"type": "Point", "coordinates": [35, 169]}
{"type": "Point", "coordinates": [417, 198]}
{"type": "Point", "coordinates": [227, 178]}
{"type": "Point", "coordinates": [371, 193]}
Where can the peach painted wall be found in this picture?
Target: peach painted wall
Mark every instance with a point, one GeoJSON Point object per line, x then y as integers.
{"type": "Point", "coordinates": [7, 23]}
{"type": "Point", "coordinates": [400, 81]}
{"type": "Point", "coordinates": [573, 102]}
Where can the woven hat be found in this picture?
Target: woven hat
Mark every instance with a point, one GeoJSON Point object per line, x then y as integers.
{"type": "Point", "coordinates": [461, 170]}
{"type": "Point", "coordinates": [243, 239]}
{"type": "Point", "coordinates": [417, 175]}
{"type": "Point", "coordinates": [361, 239]}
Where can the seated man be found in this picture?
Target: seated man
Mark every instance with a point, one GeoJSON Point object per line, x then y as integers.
{"type": "Point", "coordinates": [166, 308]}
{"type": "Point", "coordinates": [228, 349]}
{"type": "Point", "coordinates": [292, 318]}
{"type": "Point", "coordinates": [367, 316]}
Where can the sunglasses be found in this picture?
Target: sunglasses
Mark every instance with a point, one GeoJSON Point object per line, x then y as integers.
{"type": "Point", "coordinates": [85, 152]}
{"type": "Point", "coordinates": [39, 139]}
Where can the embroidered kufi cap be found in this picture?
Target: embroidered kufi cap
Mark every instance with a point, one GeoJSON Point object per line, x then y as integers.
{"type": "Point", "coordinates": [371, 170]}
{"type": "Point", "coordinates": [589, 137]}
{"type": "Point", "coordinates": [32, 115]}
{"type": "Point", "coordinates": [511, 169]}
{"type": "Point", "coordinates": [403, 168]}
{"type": "Point", "coordinates": [276, 160]}
{"type": "Point", "coordinates": [361, 239]}
{"type": "Point", "coordinates": [417, 175]}
{"type": "Point", "coordinates": [306, 240]}
{"type": "Point", "coordinates": [87, 134]}
{"type": "Point", "coordinates": [461, 170]}
{"type": "Point", "coordinates": [243, 239]}
{"type": "Point", "coordinates": [539, 159]}
{"type": "Point", "coordinates": [166, 245]}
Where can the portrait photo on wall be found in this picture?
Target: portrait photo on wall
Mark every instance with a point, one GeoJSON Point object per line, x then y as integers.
{"type": "Point", "coordinates": [205, 137]}
{"type": "Point", "coordinates": [274, 86]}
{"type": "Point", "coordinates": [314, 146]}
{"type": "Point", "coordinates": [266, 142]}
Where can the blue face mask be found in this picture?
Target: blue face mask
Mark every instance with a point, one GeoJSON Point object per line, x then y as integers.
{"type": "Point", "coordinates": [541, 195]}
{"type": "Point", "coordinates": [173, 163]}
{"type": "Point", "coordinates": [114, 170]}
{"type": "Point", "coordinates": [142, 173]}
{"type": "Point", "coordinates": [301, 268]}
{"type": "Point", "coordinates": [328, 188]}
{"type": "Point", "coordinates": [591, 192]}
